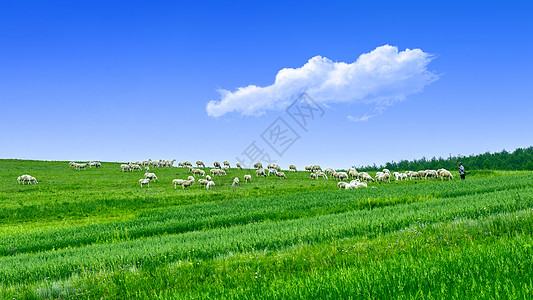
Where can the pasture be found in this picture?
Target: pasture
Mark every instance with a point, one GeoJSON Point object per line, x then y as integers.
{"type": "Point", "coordinates": [96, 234]}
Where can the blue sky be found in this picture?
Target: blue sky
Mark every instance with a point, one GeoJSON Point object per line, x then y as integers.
{"type": "Point", "coordinates": [126, 80]}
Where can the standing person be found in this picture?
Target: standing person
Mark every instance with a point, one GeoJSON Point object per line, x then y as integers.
{"type": "Point", "coordinates": [461, 171]}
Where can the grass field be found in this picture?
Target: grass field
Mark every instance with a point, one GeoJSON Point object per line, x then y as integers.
{"type": "Point", "coordinates": [94, 233]}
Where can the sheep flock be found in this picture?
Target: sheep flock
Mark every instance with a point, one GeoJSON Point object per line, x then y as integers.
{"type": "Point", "coordinates": [345, 179]}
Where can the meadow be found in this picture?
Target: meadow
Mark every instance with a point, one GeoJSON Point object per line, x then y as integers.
{"type": "Point", "coordinates": [96, 234]}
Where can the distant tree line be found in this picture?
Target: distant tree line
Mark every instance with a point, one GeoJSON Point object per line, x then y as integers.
{"type": "Point", "coordinates": [520, 159]}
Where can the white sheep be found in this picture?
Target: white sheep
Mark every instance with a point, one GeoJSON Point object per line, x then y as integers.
{"type": "Point", "coordinates": [366, 177]}
{"type": "Point", "coordinates": [226, 163]}
{"type": "Point", "coordinates": [381, 176]}
{"type": "Point", "coordinates": [221, 172]}
{"type": "Point", "coordinates": [151, 176]}
{"type": "Point", "coordinates": [187, 183]}
{"type": "Point", "coordinates": [356, 185]}
{"type": "Point", "coordinates": [272, 171]}
{"type": "Point", "coordinates": [125, 167]}
{"type": "Point", "coordinates": [341, 184]}
{"type": "Point", "coordinates": [281, 175]}
{"type": "Point", "coordinates": [431, 174]}
{"type": "Point", "coordinates": [26, 179]}
{"type": "Point", "coordinates": [216, 164]}
{"type": "Point", "coordinates": [136, 167]}
{"type": "Point", "coordinates": [340, 175]}
{"type": "Point", "coordinates": [261, 172]}
{"type": "Point", "coordinates": [321, 174]}
{"type": "Point", "coordinates": [96, 164]}
{"type": "Point", "coordinates": [235, 182]}
{"type": "Point", "coordinates": [292, 168]}
{"type": "Point", "coordinates": [147, 169]}
{"type": "Point", "coordinates": [353, 173]}
{"type": "Point", "coordinates": [446, 174]}
{"type": "Point", "coordinates": [238, 165]}
{"type": "Point", "coordinates": [258, 165]}
{"type": "Point", "coordinates": [329, 171]}
{"type": "Point", "coordinates": [225, 168]}
{"type": "Point", "coordinates": [200, 164]}
{"type": "Point", "coordinates": [209, 185]}
{"type": "Point", "coordinates": [202, 182]}
{"type": "Point", "coordinates": [247, 178]}
{"type": "Point", "coordinates": [208, 178]}
{"type": "Point", "coordinates": [313, 176]}
{"type": "Point", "coordinates": [177, 182]}
{"type": "Point", "coordinates": [80, 166]}
{"type": "Point", "coordinates": [143, 181]}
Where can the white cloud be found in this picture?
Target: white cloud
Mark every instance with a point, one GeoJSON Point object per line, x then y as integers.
{"type": "Point", "coordinates": [380, 77]}
{"type": "Point", "coordinates": [363, 118]}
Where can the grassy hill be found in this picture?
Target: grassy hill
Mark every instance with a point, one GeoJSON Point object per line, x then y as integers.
{"type": "Point", "coordinates": [94, 233]}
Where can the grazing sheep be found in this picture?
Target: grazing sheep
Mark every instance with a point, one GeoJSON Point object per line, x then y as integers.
{"type": "Point", "coordinates": [144, 181]}
{"type": "Point", "coordinates": [26, 179]}
{"type": "Point", "coordinates": [281, 175]}
{"type": "Point", "coordinates": [238, 165]}
{"type": "Point", "coordinates": [357, 185]}
{"type": "Point", "coordinates": [341, 184]}
{"type": "Point", "coordinates": [247, 178]}
{"type": "Point", "coordinates": [316, 168]}
{"type": "Point", "coordinates": [200, 164]}
{"type": "Point", "coordinates": [80, 166]}
{"type": "Point", "coordinates": [125, 168]}
{"type": "Point", "coordinates": [274, 166]}
{"type": "Point", "coordinates": [258, 165]}
{"type": "Point", "coordinates": [396, 176]}
{"type": "Point", "coordinates": [221, 172]}
{"type": "Point", "coordinates": [260, 171]}
{"type": "Point", "coordinates": [235, 182]}
{"type": "Point", "coordinates": [177, 182]}
{"type": "Point", "coordinates": [386, 171]}
{"type": "Point", "coordinates": [421, 174]}
{"type": "Point", "coordinates": [225, 168]}
{"type": "Point", "coordinates": [292, 168]}
{"type": "Point", "coordinates": [439, 171]}
{"type": "Point", "coordinates": [321, 174]}
{"type": "Point", "coordinates": [340, 175]}
{"type": "Point", "coordinates": [95, 164]}
{"type": "Point", "coordinates": [308, 168]}
{"type": "Point", "coordinates": [446, 174]}
{"type": "Point", "coordinates": [71, 164]}
{"type": "Point", "coordinates": [136, 167]}
{"type": "Point", "coordinates": [216, 164]}
{"type": "Point", "coordinates": [431, 174]}
{"type": "Point", "coordinates": [411, 174]}
{"type": "Point", "coordinates": [214, 171]}
{"type": "Point", "coordinates": [272, 171]}
{"type": "Point", "coordinates": [381, 176]}
{"type": "Point", "coordinates": [366, 177]}
{"type": "Point", "coordinates": [198, 171]}
{"type": "Point", "coordinates": [209, 185]}
{"type": "Point", "coordinates": [147, 169]}
{"type": "Point", "coordinates": [151, 176]}
{"type": "Point", "coordinates": [202, 182]}
{"type": "Point", "coordinates": [226, 163]}
{"type": "Point", "coordinates": [187, 164]}
{"type": "Point", "coordinates": [329, 171]}
{"type": "Point", "coordinates": [353, 173]}
{"type": "Point", "coordinates": [187, 183]}
{"type": "Point", "coordinates": [208, 177]}
{"type": "Point", "coordinates": [313, 176]}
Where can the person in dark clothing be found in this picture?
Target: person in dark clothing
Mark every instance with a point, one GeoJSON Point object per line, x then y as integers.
{"type": "Point", "coordinates": [461, 171]}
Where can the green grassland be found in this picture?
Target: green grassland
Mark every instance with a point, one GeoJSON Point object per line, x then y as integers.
{"type": "Point", "coordinates": [95, 233]}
